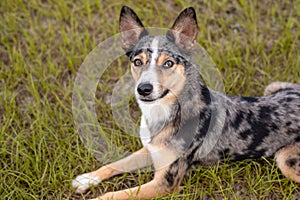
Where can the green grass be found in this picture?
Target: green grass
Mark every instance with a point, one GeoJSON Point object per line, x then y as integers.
{"type": "Point", "coordinates": [42, 45]}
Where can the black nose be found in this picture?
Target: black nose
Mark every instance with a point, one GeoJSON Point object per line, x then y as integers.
{"type": "Point", "coordinates": [144, 89]}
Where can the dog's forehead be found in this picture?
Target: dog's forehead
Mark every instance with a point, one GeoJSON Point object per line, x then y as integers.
{"type": "Point", "coordinates": [156, 43]}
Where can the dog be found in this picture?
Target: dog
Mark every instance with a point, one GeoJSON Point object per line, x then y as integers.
{"type": "Point", "coordinates": [186, 124]}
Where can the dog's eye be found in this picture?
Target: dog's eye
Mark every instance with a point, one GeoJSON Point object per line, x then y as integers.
{"type": "Point", "coordinates": [137, 62]}
{"type": "Point", "coordinates": [168, 64]}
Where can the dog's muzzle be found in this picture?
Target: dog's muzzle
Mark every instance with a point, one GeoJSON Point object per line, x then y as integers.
{"type": "Point", "coordinates": [145, 90]}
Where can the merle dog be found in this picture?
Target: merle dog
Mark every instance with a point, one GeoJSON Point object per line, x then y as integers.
{"type": "Point", "coordinates": [185, 123]}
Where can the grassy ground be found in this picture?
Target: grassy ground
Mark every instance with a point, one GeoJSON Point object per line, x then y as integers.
{"type": "Point", "coordinates": [42, 46]}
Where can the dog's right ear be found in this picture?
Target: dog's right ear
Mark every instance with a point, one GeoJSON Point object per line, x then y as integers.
{"type": "Point", "coordinates": [131, 28]}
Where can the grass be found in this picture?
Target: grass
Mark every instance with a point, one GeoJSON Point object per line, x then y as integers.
{"type": "Point", "coordinates": [42, 46]}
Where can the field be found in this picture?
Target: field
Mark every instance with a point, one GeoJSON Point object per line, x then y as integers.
{"type": "Point", "coordinates": [42, 46]}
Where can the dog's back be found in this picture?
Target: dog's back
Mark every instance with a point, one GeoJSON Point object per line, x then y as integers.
{"type": "Point", "coordinates": [258, 127]}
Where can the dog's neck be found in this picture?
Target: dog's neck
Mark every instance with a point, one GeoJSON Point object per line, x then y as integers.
{"type": "Point", "coordinates": [195, 96]}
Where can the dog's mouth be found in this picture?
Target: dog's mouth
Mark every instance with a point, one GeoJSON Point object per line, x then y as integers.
{"type": "Point", "coordinates": [160, 97]}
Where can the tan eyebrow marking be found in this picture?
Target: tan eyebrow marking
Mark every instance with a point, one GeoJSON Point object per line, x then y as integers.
{"type": "Point", "coordinates": [163, 58]}
{"type": "Point", "coordinates": [142, 56]}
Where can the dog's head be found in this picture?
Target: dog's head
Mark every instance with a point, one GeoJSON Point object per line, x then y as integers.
{"type": "Point", "coordinates": [158, 63]}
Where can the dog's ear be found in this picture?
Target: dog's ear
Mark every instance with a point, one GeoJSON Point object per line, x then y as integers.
{"type": "Point", "coordinates": [184, 30]}
{"type": "Point", "coordinates": [131, 28]}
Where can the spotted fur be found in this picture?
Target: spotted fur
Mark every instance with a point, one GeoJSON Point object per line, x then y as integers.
{"type": "Point", "coordinates": [185, 123]}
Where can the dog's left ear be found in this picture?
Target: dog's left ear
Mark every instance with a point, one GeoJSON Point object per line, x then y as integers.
{"type": "Point", "coordinates": [131, 28]}
{"type": "Point", "coordinates": [184, 30]}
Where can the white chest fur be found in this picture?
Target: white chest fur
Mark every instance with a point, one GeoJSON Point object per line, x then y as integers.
{"type": "Point", "coordinates": [153, 115]}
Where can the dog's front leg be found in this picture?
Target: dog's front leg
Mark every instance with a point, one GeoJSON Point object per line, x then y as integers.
{"type": "Point", "coordinates": [137, 160]}
{"type": "Point", "coordinates": [166, 180]}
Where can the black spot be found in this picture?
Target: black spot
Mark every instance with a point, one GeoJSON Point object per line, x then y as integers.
{"type": "Point", "coordinates": [288, 123]}
{"type": "Point", "coordinates": [249, 99]}
{"type": "Point", "coordinates": [297, 139]}
{"type": "Point", "coordinates": [172, 175]}
{"type": "Point", "coordinates": [191, 156]}
{"type": "Point", "coordinates": [245, 134]}
{"type": "Point", "coordinates": [293, 93]}
{"type": "Point", "coordinates": [170, 178]}
{"type": "Point", "coordinates": [205, 95]}
{"type": "Point", "coordinates": [264, 112]}
{"type": "Point", "coordinates": [289, 99]}
{"type": "Point", "coordinates": [250, 116]}
{"type": "Point", "coordinates": [259, 132]}
{"type": "Point", "coordinates": [204, 122]}
{"type": "Point", "coordinates": [291, 162]}
{"type": "Point", "coordinates": [238, 120]}
{"type": "Point", "coordinates": [273, 127]}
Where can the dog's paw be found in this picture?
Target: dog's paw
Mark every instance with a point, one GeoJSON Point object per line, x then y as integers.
{"type": "Point", "coordinates": [84, 181]}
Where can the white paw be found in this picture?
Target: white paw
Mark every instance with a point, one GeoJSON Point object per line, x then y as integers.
{"type": "Point", "coordinates": [84, 181]}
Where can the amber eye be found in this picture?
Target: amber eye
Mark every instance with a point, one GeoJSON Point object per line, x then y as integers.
{"type": "Point", "coordinates": [137, 62]}
{"type": "Point", "coordinates": [168, 64]}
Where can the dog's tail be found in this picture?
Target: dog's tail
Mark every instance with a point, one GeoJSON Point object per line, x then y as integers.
{"type": "Point", "coordinates": [277, 86]}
